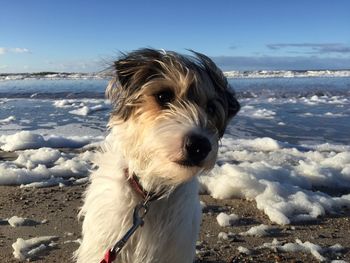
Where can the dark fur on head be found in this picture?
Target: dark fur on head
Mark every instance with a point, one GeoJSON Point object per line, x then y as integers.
{"type": "Point", "coordinates": [133, 70]}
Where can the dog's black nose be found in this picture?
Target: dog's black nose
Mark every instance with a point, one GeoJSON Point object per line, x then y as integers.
{"type": "Point", "coordinates": [197, 148]}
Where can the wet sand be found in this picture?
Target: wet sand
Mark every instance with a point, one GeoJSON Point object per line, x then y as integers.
{"type": "Point", "coordinates": [59, 206]}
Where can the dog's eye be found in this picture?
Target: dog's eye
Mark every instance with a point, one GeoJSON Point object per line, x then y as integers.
{"type": "Point", "coordinates": [211, 108]}
{"type": "Point", "coordinates": [165, 97]}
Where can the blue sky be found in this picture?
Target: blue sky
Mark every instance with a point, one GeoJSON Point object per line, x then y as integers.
{"type": "Point", "coordinates": [83, 36]}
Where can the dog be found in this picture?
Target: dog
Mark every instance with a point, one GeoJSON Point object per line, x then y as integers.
{"type": "Point", "coordinates": [169, 113]}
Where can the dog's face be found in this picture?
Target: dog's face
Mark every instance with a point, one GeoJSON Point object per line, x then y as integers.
{"type": "Point", "coordinates": [169, 112]}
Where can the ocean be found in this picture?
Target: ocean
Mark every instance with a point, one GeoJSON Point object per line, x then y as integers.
{"type": "Point", "coordinates": [287, 149]}
{"type": "Point", "coordinates": [293, 110]}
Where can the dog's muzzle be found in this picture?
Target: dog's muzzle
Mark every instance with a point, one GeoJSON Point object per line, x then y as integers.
{"type": "Point", "coordinates": [196, 148]}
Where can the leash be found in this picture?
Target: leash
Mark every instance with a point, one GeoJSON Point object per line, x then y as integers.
{"type": "Point", "coordinates": [139, 213]}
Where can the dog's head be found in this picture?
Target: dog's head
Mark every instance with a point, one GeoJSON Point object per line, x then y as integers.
{"type": "Point", "coordinates": [169, 111]}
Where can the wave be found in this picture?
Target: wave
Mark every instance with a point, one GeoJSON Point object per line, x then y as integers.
{"type": "Point", "coordinates": [267, 94]}
{"type": "Point", "coordinates": [228, 74]}
{"type": "Point", "coordinates": [287, 73]}
{"type": "Point", "coordinates": [262, 94]}
{"type": "Point", "coordinates": [52, 95]}
{"type": "Point", "coordinates": [51, 76]}
{"type": "Point", "coordinates": [244, 87]}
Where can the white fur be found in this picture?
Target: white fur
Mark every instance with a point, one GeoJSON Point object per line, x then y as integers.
{"type": "Point", "coordinates": [171, 226]}
{"type": "Point", "coordinates": [149, 138]}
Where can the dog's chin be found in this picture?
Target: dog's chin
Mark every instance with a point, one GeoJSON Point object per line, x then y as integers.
{"type": "Point", "coordinates": [185, 170]}
{"type": "Point", "coordinates": [189, 164]}
{"type": "Point", "coordinates": [175, 173]}
{"type": "Point", "coordinates": [182, 172]}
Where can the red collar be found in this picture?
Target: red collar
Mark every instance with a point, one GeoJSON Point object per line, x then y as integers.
{"type": "Point", "coordinates": [135, 184]}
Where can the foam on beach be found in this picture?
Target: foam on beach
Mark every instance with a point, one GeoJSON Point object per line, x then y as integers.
{"type": "Point", "coordinates": [31, 248]}
{"type": "Point", "coordinates": [307, 247]}
{"type": "Point", "coordinates": [258, 231]}
{"type": "Point", "coordinates": [40, 166]}
{"type": "Point", "coordinates": [224, 219]}
{"type": "Point", "coordinates": [28, 140]}
{"type": "Point", "coordinates": [289, 184]}
{"type": "Point", "coordinates": [16, 221]}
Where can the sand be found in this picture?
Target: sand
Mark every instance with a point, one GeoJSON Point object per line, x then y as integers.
{"type": "Point", "coordinates": [59, 206]}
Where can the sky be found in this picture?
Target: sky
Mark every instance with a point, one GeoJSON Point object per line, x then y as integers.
{"type": "Point", "coordinates": [84, 36]}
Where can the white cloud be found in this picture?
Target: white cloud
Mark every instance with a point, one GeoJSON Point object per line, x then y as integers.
{"type": "Point", "coordinates": [20, 50]}
{"type": "Point", "coordinates": [4, 50]}
{"type": "Point", "coordinates": [316, 48]}
{"type": "Point", "coordinates": [76, 65]}
{"type": "Point", "coordinates": [280, 62]}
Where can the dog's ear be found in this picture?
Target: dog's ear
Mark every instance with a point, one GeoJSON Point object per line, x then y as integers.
{"type": "Point", "coordinates": [118, 97]}
{"type": "Point", "coordinates": [233, 105]}
{"type": "Point", "coordinates": [221, 84]}
{"type": "Point", "coordinates": [130, 72]}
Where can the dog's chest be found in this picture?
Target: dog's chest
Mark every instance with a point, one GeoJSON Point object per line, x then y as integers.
{"type": "Point", "coordinates": [169, 233]}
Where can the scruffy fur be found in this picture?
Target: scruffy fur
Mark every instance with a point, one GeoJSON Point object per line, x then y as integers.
{"type": "Point", "coordinates": [147, 138]}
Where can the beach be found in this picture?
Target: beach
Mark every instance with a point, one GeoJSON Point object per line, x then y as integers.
{"type": "Point", "coordinates": [279, 192]}
{"type": "Point", "coordinates": [245, 103]}
{"type": "Point", "coordinates": [59, 207]}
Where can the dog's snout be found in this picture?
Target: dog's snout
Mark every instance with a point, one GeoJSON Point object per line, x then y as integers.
{"type": "Point", "coordinates": [197, 148]}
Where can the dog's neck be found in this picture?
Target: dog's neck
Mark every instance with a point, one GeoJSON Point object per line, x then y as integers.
{"type": "Point", "coordinates": [142, 179]}
{"type": "Point", "coordinates": [135, 184]}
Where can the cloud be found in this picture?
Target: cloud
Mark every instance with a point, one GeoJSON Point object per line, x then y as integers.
{"type": "Point", "coordinates": [280, 63]}
{"type": "Point", "coordinates": [4, 50]}
{"type": "Point", "coordinates": [19, 50]}
{"type": "Point", "coordinates": [75, 65]}
{"type": "Point", "coordinates": [316, 48]}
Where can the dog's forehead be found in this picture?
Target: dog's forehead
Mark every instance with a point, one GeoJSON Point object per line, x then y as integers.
{"type": "Point", "coordinates": [187, 81]}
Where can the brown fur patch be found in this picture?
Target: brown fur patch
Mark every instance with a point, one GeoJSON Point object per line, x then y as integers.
{"type": "Point", "coordinates": [141, 74]}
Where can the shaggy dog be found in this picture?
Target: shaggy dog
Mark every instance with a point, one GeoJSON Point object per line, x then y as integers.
{"type": "Point", "coordinates": [169, 112]}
